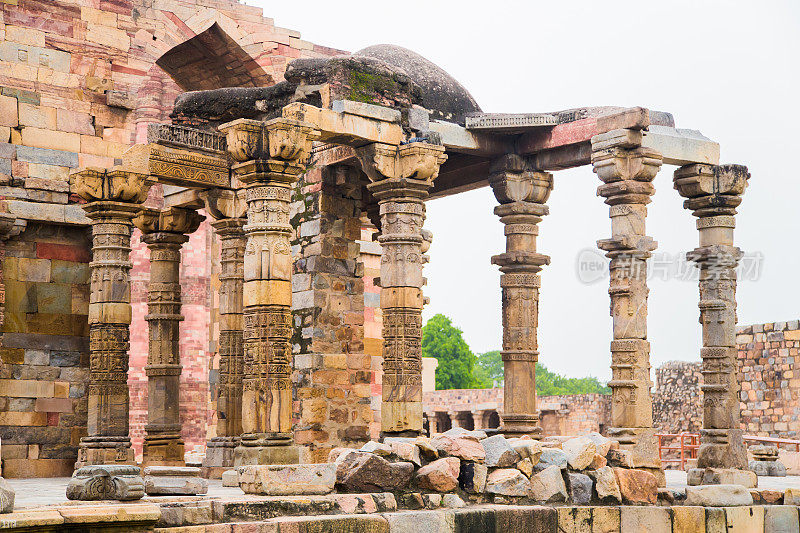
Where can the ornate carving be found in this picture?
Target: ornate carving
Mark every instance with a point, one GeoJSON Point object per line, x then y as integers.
{"type": "Point", "coordinates": [117, 185]}
{"type": "Point", "coordinates": [418, 161]}
{"type": "Point", "coordinates": [171, 220]}
{"type": "Point", "coordinates": [279, 139]}
{"type": "Point", "coordinates": [179, 166]}
{"type": "Point", "coordinates": [185, 137]}
{"type": "Point", "coordinates": [106, 482]}
{"type": "Point", "coordinates": [513, 179]}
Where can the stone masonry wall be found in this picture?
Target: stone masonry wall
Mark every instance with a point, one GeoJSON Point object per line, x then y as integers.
{"type": "Point", "coordinates": [44, 350]}
{"type": "Point", "coordinates": [677, 405]}
{"type": "Point", "coordinates": [78, 85]}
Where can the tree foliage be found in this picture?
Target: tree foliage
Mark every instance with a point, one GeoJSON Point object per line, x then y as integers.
{"type": "Point", "coordinates": [442, 340]}
{"type": "Point", "coordinates": [547, 383]}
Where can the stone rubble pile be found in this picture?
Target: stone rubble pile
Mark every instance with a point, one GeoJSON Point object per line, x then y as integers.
{"type": "Point", "coordinates": [469, 465]}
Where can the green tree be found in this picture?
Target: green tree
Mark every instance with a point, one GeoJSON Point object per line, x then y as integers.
{"type": "Point", "coordinates": [442, 340]}
{"type": "Point", "coordinates": [547, 383]}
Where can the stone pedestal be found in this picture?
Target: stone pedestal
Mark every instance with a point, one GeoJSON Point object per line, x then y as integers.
{"type": "Point", "coordinates": [713, 193]}
{"type": "Point", "coordinates": [269, 156]}
{"type": "Point", "coordinates": [401, 177]}
{"type": "Point", "coordinates": [765, 462]}
{"type": "Point", "coordinates": [106, 482]}
{"type": "Point", "coordinates": [114, 200]}
{"type": "Point", "coordinates": [627, 171]}
{"type": "Point", "coordinates": [228, 209]}
{"type": "Point", "coordinates": [164, 232]}
{"type": "Point", "coordinates": [522, 192]}
{"type": "Point", "coordinates": [173, 481]}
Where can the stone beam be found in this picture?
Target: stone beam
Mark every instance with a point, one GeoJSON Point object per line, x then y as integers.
{"type": "Point", "coordinates": [681, 147]}
{"type": "Point", "coordinates": [458, 139]}
{"type": "Point", "coordinates": [345, 128]}
{"type": "Point", "coordinates": [178, 166]}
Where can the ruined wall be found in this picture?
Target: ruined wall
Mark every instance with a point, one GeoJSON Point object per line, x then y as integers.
{"type": "Point", "coordinates": [44, 350]}
{"type": "Point", "coordinates": [677, 405]}
{"type": "Point", "coordinates": [78, 85]}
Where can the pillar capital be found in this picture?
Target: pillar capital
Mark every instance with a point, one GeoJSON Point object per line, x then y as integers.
{"type": "Point", "coordinates": [407, 170]}
{"type": "Point", "coordinates": [172, 221]}
{"type": "Point", "coordinates": [224, 204]}
{"type": "Point", "coordinates": [115, 185]}
{"type": "Point", "coordinates": [514, 179]}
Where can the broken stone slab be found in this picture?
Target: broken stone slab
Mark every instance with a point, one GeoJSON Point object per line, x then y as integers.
{"type": "Point", "coordinates": [527, 449]}
{"type": "Point", "coordinates": [599, 461]}
{"type": "Point", "coordinates": [605, 485]}
{"type": "Point", "coordinates": [580, 489]}
{"type": "Point", "coordinates": [427, 449]}
{"type": "Point", "coordinates": [441, 475]}
{"type": "Point", "coordinates": [603, 444]}
{"type": "Point", "coordinates": [791, 497]}
{"type": "Point", "coordinates": [499, 452]}
{"type": "Point", "coordinates": [406, 451]}
{"type": "Point", "coordinates": [721, 476]}
{"type": "Point", "coordinates": [550, 457]}
{"type": "Point", "coordinates": [376, 447]}
{"type": "Point", "coordinates": [6, 497]}
{"type": "Point", "coordinates": [637, 486]}
{"type": "Point", "coordinates": [106, 482]}
{"type": "Point", "coordinates": [174, 480]}
{"type": "Point", "coordinates": [286, 480]}
{"type": "Point", "coordinates": [463, 446]}
{"type": "Point", "coordinates": [457, 432]}
{"type": "Point", "coordinates": [548, 486]}
{"type": "Point", "coordinates": [525, 466]}
{"type": "Point", "coordinates": [452, 501]}
{"type": "Point", "coordinates": [472, 477]}
{"type": "Point", "coordinates": [230, 478]}
{"type": "Point", "coordinates": [580, 452]}
{"type": "Point", "coordinates": [718, 495]}
{"type": "Point", "coordinates": [366, 472]}
{"type": "Point", "coordinates": [507, 482]}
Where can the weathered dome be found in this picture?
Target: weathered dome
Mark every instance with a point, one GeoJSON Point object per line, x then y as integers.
{"type": "Point", "coordinates": [440, 91]}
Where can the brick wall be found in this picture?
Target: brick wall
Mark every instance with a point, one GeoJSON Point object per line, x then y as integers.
{"type": "Point", "coordinates": [44, 350]}
{"type": "Point", "coordinates": [78, 85]}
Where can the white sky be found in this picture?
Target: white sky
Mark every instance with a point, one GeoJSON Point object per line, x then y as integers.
{"type": "Point", "coordinates": [728, 68]}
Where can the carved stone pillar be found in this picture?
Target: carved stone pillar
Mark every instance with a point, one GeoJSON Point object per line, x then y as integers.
{"type": "Point", "coordinates": [228, 208]}
{"type": "Point", "coordinates": [713, 193]}
{"type": "Point", "coordinates": [270, 156]}
{"type": "Point", "coordinates": [627, 171]}
{"type": "Point", "coordinates": [164, 233]}
{"type": "Point", "coordinates": [115, 198]}
{"type": "Point", "coordinates": [454, 421]}
{"type": "Point", "coordinates": [477, 419]}
{"type": "Point", "coordinates": [401, 177]}
{"type": "Point", "coordinates": [522, 192]}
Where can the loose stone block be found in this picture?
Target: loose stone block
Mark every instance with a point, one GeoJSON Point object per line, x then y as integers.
{"type": "Point", "coordinates": [499, 452]}
{"type": "Point", "coordinates": [106, 482]}
{"type": "Point", "coordinates": [472, 477]}
{"type": "Point", "coordinates": [367, 472]}
{"type": "Point", "coordinates": [464, 446]}
{"type": "Point", "coordinates": [637, 486]}
{"type": "Point", "coordinates": [283, 480]}
{"type": "Point", "coordinates": [550, 457]}
{"type": "Point", "coordinates": [230, 478]}
{"type": "Point", "coordinates": [606, 486]}
{"type": "Point", "coordinates": [721, 476]}
{"type": "Point", "coordinates": [527, 449]}
{"type": "Point", "coordinates": [688, 519]}
{"type": "Point", "coordinates": [452, 501]}
{"type": "Point", "coordinates": [441, 475]}
{"type": "Point", "coordinates": [781, 519]}
{"type": "Point", "coordinates": [580, 489]}
{"type": "Point", "coordinates": [548, 486]}
{"type": "Point", "coordinates": [173, 480]}
{"type": "Point", "coordinates": [508, 482]}
{"type": "Point", "coordinates": [718, 495]}
{"type": "Point", "coordinates": [791, 497]}
{"type": "Point", "coordinates": [649, 519]}
{"type": "Point", "coordinates": [580, 452]}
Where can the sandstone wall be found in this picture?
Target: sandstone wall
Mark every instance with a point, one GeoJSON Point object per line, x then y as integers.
{"type": "Point", "coordinates": [78, 85]}
{"type": "Point", "coordinates": [677, 405]}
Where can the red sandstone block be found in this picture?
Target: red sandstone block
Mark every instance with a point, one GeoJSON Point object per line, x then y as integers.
{"type": "Point", "coordinates": [65, 252]}
{"type": "Point", "coordinates": [53, 405]}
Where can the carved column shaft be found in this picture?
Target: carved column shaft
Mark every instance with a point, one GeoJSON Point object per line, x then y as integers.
{"type": "Point", "coordinates": [522, 192]}
{"type": "Point", "coordinates": [401, 178]}
{"type": "Point", "coordinates": [271, 158]}
{"type": "Point", "coordinates": [627, 171]}
{"type": "Point", "coordinates": [713, 193]}
{"type": "Point", "coordinates": [115, 197]}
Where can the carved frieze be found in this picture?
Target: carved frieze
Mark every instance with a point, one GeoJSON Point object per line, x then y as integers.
{"type": "Point", "coordinates": [117, 185]}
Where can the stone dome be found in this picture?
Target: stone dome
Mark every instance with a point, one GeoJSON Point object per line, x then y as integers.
{"type": "Point", "coordinates": [441, 93]}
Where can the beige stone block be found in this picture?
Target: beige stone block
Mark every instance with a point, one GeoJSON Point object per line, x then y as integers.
{"type": "Point", "coordinates": [37, 116]}
{"type": "Point", "coordinates": [5, 134]}
{"type": "Point", "coordinates": [650, 519]}
{"type": "Point", "coordinates": [263, 292]}
{"type": "Point", "coordinates": [33, 270]}
{"type": "Point", "coordinates": [574, 520]}
{"type": "Point", "coordinates": [335, 361]}
{"type": "Point", "coordinates": [110, 313]}
{"type": "Point", "coordinates": [116, 513]}
{"type": "Point", "coordinates": [18, 418]}
{"type": "Point", "coordinates": [33, 451]}
{"type": "Point", "coordinates": [27, 36]}
{"type": "Point", "coordinates": [749, 519]}
{"type": "Point", "coordinates": [9, 115]}
{"type": "Point", "coordinates": [605, 520]}
{"type": "Point", "coordinates": [48, 172]}
{"type": "Point", "coordinates": [73, 121]}
{"type": "Point", "coordinates": [688, 519]}
{"type": "Point", "coordinates": [409, 297]}
{"type": "Point", "coordinates": [32, 518]}
{"type": "Point", "coordinates": [792, 335]}
{"type": "Point", "coordinates": [94, 146]}
{"type": "Point", "coordinates": [54, 140]}
{"type": "Point", "coordinates": [108, 36]}
{"type": "Point", "coordinates": [26, 388]}
{"type": "Point", "coordinates": [53, 405]}
{"type": "Point", "coordinates": [61, 389]}
{"type": "Point", "coordinates": [97, 16]}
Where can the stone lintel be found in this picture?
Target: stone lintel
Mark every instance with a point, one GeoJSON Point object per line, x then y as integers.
{"type": "Point", "coordinates": [179, 166]}
{"type": "Point", "coordinates": [343, 128]}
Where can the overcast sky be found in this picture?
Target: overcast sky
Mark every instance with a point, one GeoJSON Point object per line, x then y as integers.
{"type": "Point", "coordinates": [730, 69]}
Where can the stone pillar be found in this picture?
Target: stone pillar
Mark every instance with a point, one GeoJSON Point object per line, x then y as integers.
{"type": "Point", "coordinates": [713, 193]}
{"type": "Point", "coordinates": [454, 421]}
{"type": "Point", "coordinates": [164, 233]}
{"type": "Point", "coordinates": [627, 171]}
{"type": "Point", "coordinates": [401, 177]}
{"type": "Point", "coordinates": [522, 192]}
{"type": "Point", "coordinates": [270, 156]}
{"type": "Point", "coordinates": [115, 198]}
{"type": "Point", "coordinates": [477, 419]}
{"type": "Point", "coordinates": [228, 209]}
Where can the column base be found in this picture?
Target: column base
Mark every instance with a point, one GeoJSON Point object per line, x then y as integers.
{"type": "Point", "coordinates": [266, 449]}
{"type": "Point", "coordinates": [105, 451]}
{"type": "Point", "coordinates": [722, 476]}
{"type": "Point", "coordinates": [722, 448]}
{"type": "Point", "coordinates": [163, 450]}
{"type": "Point", "coordinates": [219, 456]}
{"type": "Point", "coordinates": [174, 481]}
{"type": "Point", "coordinates": [643, 445]}
{"type": "Point", "coordinates": [518, 425]}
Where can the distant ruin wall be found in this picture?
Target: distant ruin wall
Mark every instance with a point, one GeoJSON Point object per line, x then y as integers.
{"type": "Point", "coordinates": [677, 406]}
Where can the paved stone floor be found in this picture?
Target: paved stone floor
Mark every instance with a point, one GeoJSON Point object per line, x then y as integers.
{"type": "Point", "coordinates": [52, 491]}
